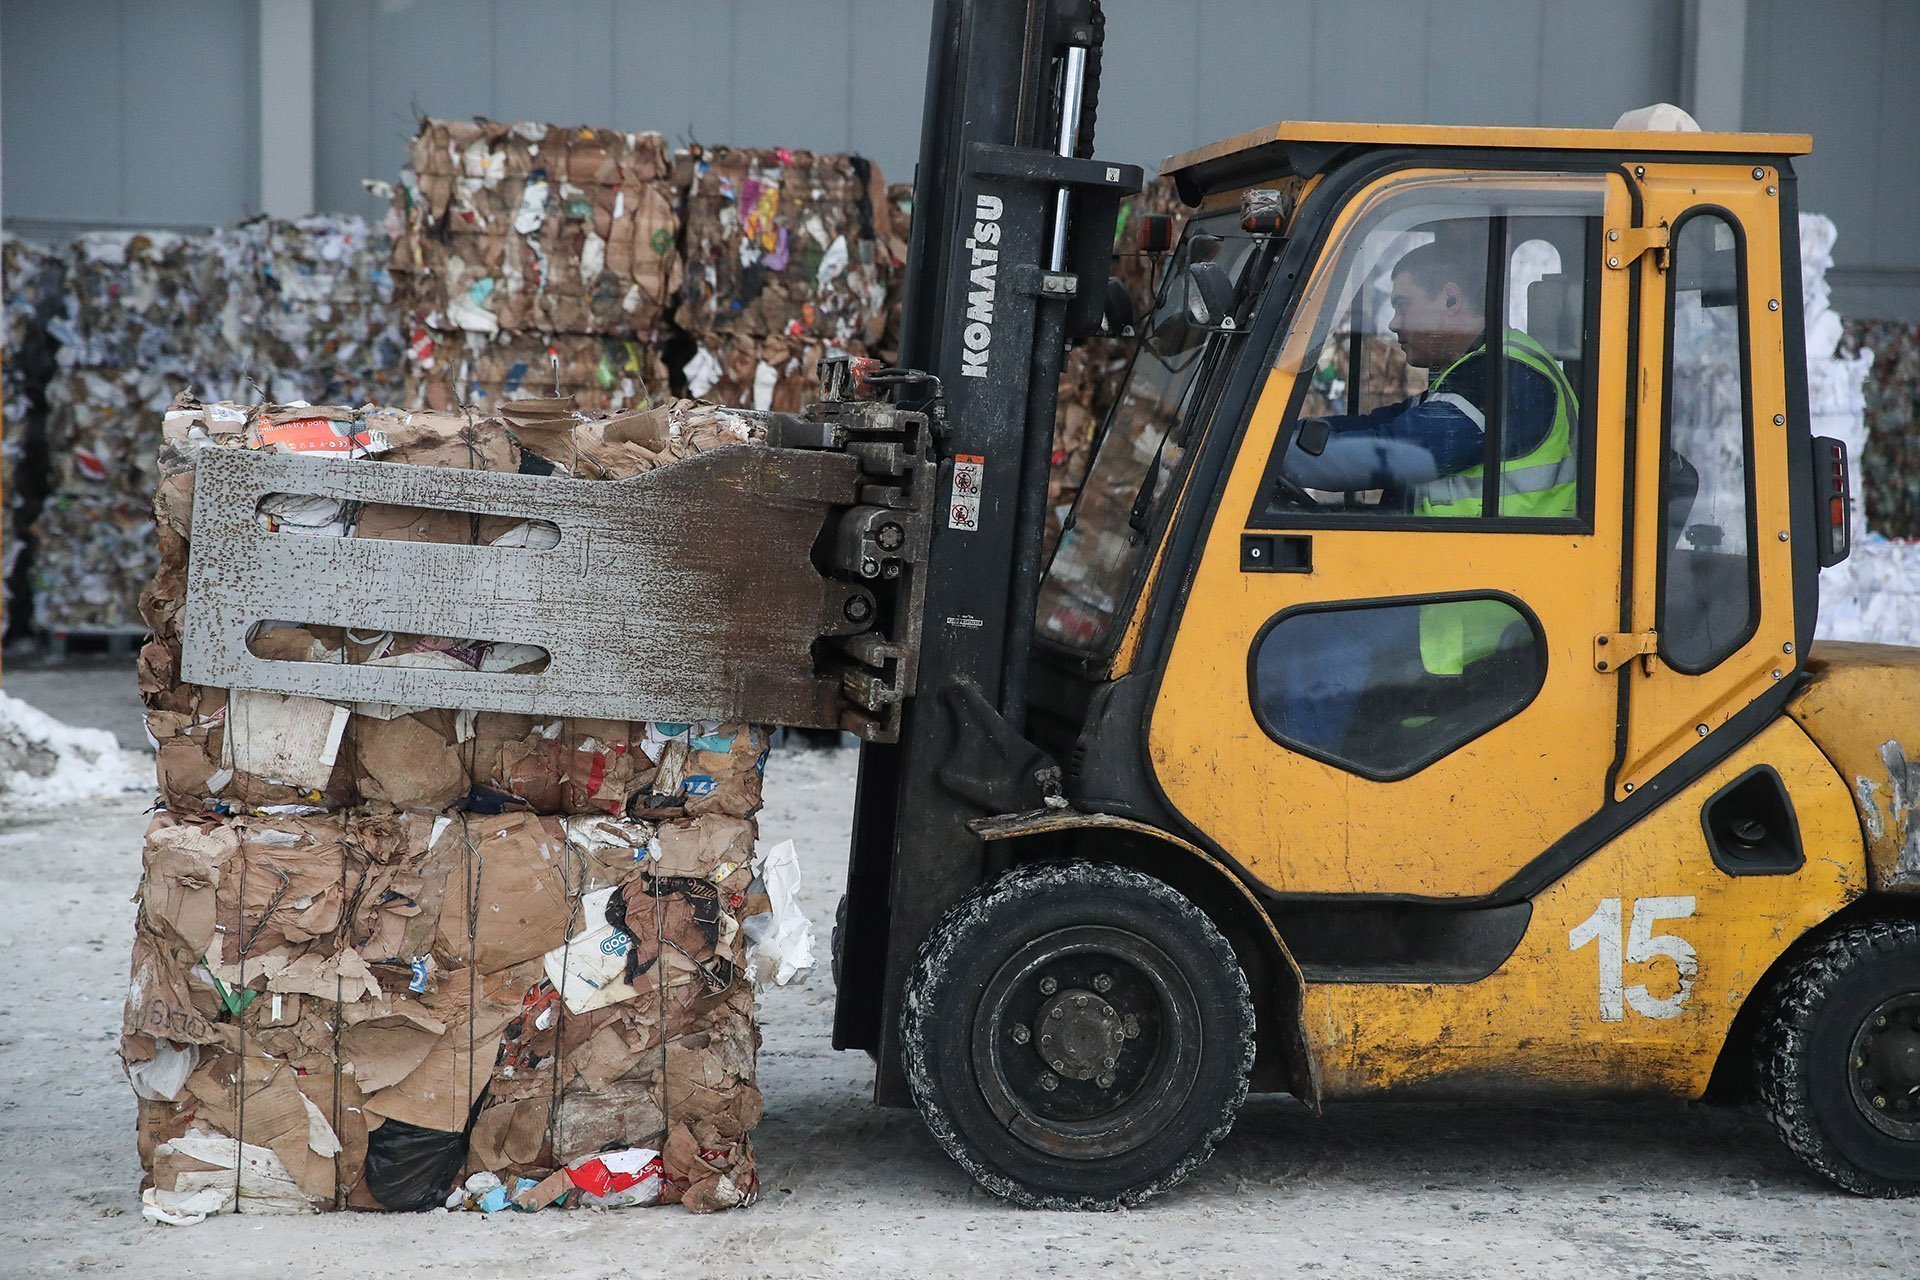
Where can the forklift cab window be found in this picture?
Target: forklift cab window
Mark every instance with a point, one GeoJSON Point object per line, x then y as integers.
{"type": "Point", "coordinates": [1403, 412]}
{"type": "Point", "coordinates": [1709, 586]}
{"type": "Point", "coordinates": [1140, 450]}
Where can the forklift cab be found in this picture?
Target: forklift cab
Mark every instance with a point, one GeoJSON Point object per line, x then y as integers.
{"type": "Point", "coordinates": [1429, 622]}
{"type": "Point", "coordinates": [1371, 590]}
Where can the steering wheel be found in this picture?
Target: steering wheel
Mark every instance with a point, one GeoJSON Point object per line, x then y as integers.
{"type": "Point", "coordinates": [1293, 492]}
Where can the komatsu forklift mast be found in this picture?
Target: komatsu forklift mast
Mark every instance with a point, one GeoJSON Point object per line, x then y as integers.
{"type": "Point", "coordinates": [1012, 240]}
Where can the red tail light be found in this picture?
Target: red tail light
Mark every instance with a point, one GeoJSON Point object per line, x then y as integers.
{"type": "Point", "coordinates": [1831, 486]}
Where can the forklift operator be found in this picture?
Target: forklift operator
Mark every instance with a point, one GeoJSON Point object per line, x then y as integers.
{"type": "Point", "coordinates": [1426, 454]}
{"type": "Point", "coordinates": [1432, 447]}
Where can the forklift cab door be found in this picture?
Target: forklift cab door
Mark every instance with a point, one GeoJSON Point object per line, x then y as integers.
{"type": "Point", "coordinates": [1382, 677]}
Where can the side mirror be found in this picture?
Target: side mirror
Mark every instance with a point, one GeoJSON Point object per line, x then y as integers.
{"type": "Point", "coordinates": [1209, 296]}
{"type": "Point", "coordinates": [1119, 316]}
{"type": "Point", "coordinates": [1313, 436]}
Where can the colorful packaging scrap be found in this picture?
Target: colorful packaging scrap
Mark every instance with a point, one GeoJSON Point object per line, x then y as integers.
{"type": "Point", "coordinates": [603, 373]}
{"type": "Point", "coordinates": [401, 959]}
{"type": "Point", "coordinates": [787, 243]}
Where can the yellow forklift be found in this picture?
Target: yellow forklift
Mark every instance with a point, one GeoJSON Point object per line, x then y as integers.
{"type": "Point", "coordinates": [1422, 698]}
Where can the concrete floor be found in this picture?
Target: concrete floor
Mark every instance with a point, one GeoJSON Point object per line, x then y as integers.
{"type": "Point", "coordinates": [1414, 1190]}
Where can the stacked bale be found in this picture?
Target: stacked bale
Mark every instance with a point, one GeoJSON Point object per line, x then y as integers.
{"type": "Point", "coordinates": [534, 260]}
{"type": "Point", "coordinates": [790, 256]}
{"type": "Point", "coordinates": [384, 954]}
{"type": "Point", "coordinates": [243, 311]}
{"type": "Point", "coordinates": [32, 282]}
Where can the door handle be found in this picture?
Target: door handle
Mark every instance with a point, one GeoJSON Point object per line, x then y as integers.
{"type": "Point", "coordinates": [1276, 553]}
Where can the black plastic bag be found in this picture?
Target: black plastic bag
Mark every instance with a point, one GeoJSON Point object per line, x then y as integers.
{"type": "Point", "coordinates": [410, 1169]}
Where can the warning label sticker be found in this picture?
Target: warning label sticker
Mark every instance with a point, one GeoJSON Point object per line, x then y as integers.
{"type": "Point", "coordinates": [969, 476]}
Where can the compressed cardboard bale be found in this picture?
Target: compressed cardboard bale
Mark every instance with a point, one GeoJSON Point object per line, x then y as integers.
{"type": "Point", "coordinates": [407, 935]}
{"type": "Point", "coordinates": [32, 277]}
{"type": "Point", "coordinates": [220, 753]}
{"type": "Point", "coordinates": [93, 554]}
{"type": "Point", "coordinates": [672, 1045]}
{"type": "Point", "coordinates": [530, 227]}
{"type": "Point", "coordinates": [788, 243]}
{"type": "Point", "coordinates": [297, 308]}
{"type": "Point", "coordinates": [320, 315]}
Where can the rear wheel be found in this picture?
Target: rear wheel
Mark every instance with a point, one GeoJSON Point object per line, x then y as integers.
{"type": "Point", "coordinates": [1077, 1036]}
{"type": "Point", "coordinates": [1839, 1068]}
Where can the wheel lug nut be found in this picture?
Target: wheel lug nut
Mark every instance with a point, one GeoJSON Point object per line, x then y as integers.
{"type": "Point", "coordinates": [1049, 1081]}
{"type": "Point", "coordinates": [1079, 1002]}
{"type": "Point", "coordinates": [1054, 1013]}
{"type": "Point", "coordinates": [1879, 1101]}
{"type": "Point", "coordinates": [1107, 1062]}
{"type": "Point", "coordinates": [1045, 1040]}
{"type": "Point", "coordinates": [1131, 1028]}
{"type": "Point", "coordinates": [1102, 983]}
{"type": "Point", "coordinates": [1880, 1021]}
{"type": "Point", "coordinates": [1020, 1033]}
{"type": "Point", "coordinates": [1860, 1061]}
{"type": "Point", "coordinates": [1057, 1065]}
{"type": "Point", "coordinates": [1048, 986]}
{"type": "Point", "coordinates": [1104, 1080]}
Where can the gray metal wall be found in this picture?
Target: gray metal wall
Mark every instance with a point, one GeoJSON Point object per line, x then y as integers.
{"type": "Point", "coordinates": [129, 112]}
{"type": "Point", "coordinates": [145, 111]}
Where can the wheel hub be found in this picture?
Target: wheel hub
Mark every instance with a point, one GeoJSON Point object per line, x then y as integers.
{"type": "Point", "coordinates": [1885, 1067]}
{"type": "Point", "coordinates": [1088, 1039]}
{"type": "Point", "coordinates": [1080, 1035]}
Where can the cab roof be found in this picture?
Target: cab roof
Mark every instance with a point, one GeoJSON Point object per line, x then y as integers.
{"type": "Point", "coordinates": [1302, 146]}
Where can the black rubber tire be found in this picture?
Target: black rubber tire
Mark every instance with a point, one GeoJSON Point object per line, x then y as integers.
{"type": "Point", "coordinates": [836, 942]}
{"type": "Point", "coordinates": [986, 933]}
{"type": "Point", "coordinates": [1805, 1059]}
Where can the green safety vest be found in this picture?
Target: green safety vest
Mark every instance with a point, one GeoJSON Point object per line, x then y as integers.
{"type": "Point", "coordinates": [1543, 482]}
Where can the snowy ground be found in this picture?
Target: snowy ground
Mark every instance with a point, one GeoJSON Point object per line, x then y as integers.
{"type": "Point", "coordinates": [1376, 1190]}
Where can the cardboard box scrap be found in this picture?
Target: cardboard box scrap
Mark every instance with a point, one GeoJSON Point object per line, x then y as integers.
{"type": "Point", "coordinates": [242, 312]}
{"type": "Point", "coordinates": [395, 959]}
{"type": "Point", "coordinates": [514, 244]}
{"type": "Point", "coordinates": [536, 228]}
{"type": "Point", "coordinates": [32, 278]}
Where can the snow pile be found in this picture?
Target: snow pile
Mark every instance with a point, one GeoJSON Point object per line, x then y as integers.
{"type": "Point", "coordinates": [1875, 593]}
{"type": "Point", "coordinates": [45, 764]}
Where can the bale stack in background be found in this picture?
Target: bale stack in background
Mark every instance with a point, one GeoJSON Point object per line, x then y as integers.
{"type": "Point", "coordinates": [790, 256]}
{"type": "Point", "coordinates": [235, 314]}
{"type": "Point", "coordinates": [32, 281]}
{"type": "Point", "coordinates": [1889, 470]}
{"type": "Point", "coordinates": [388, 957]}
{"type": "Point", "coordinates": [143, 319]}
{"type": "Point", "coordinates": [515, 246]}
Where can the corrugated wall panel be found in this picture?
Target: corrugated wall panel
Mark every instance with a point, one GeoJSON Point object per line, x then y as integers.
{"type": "Point", "coordinates": [1819, 69]}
